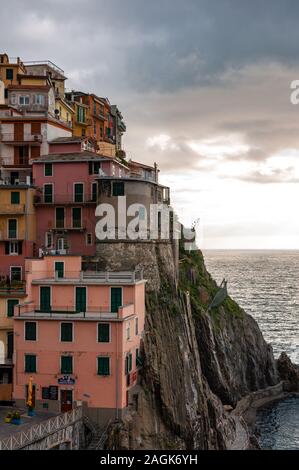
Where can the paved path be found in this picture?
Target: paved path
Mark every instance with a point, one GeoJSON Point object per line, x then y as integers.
{"type": "Point", "coordinates": [241, 441]}
{"type": "Point", "coordinates": [7, 429]}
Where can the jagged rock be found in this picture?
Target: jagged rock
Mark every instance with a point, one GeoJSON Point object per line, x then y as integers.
{"type": "Point", "coordinates": [288, 372]}
{"type": "Point", "coordinates": [227, 408]}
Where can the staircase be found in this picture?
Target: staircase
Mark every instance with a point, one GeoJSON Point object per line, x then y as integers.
{"type": "Point", "coordinates": [99, 434]}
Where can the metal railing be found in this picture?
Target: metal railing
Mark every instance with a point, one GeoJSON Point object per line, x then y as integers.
{"type": "Point", "coordinates": [11, 137]}
{"type": "Point", "coordinates": [88, 275]}
{"type": "Point", "coordinates": [44, 62]}
{"type": "Point", "coordinates": [37, 432]}
{"type": "Point", "coordinates": [67, 198]}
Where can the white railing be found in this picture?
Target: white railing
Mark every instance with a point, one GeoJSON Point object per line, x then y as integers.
{"type": "Point", "coordinates": [39, 431]}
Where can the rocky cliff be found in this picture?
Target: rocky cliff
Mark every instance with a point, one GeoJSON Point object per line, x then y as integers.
{"type": "Point", "coordinates": [196, 360]}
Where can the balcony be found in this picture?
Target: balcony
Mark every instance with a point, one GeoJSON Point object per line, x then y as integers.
{"type": "Point", "coordinates": [13, 209]}
{"type": "Point", "coordinates": [11, 138]}
{"type": "Point", "coordinates": [63, 199]}
{"type": "Point", "coordinates": [89, 277]}
{"type": "Point", "coordinates": [15, 288]}
{"type": "Point", "coordinates": [30, 310]}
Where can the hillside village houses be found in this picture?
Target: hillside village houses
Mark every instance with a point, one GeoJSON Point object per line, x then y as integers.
{"type": "Point", "coordinates": [64, 322]}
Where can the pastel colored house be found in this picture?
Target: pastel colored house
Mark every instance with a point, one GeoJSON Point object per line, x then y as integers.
{"type": "Point", "coordinates": [67, 199]}
{"type": "Point", "coordinates": [78, 335]}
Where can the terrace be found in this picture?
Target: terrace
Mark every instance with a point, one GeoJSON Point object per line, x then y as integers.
{"type": "Point", "coordinates": [89, 277]}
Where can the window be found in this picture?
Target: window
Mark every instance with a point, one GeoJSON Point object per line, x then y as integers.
{"type": "Point", "coordinates": [30, 331]}
{"type": "Point", "coordinates": [78, 192]}
{"type": "Point", "coordinates": [14, 248]}
{"type": "Point", "coordinates": [61, 244]}
{"type": "Point", "coordinates": [80, 299]}
{"type": "Point", "coordinates": [128, 363]}
{"type": "Point", "coordinates": [66, 332]}
{"type": "Point", "coordinates": [103, 332]}
{"type": "Point", "coordinates": [66, 365]}
{"type": "Point", "coordinates": [115, 298]}
{"type": "Point", "coordinates": [94, 192]}
{"type": "Point", "coordinates": [48, 169]}
{"type": "Point", "coordinates": [49, 240]}
{"type": "Point", "coordinates": [103, 365]}
{"type": "Point", "coordinates": [48, 193]}
{"type": "Point", "coordinates": [24, 100]}
{"type": "Point", "coordinates": [39, 99]}
{"type": "Point", "coordinates": [9, 74]}
{"type": "Point", "coordinates": [94, 168]}
{"type": "Point", "coordinates": [15, 273]}
{"type": "Point", "coordinates": [136, 326]}
{"type": "Point", "coordinates": [95, 129]}
{"type": "Point", "coordinates": [30, 363]}
{"type": "Point", "coordinates": [80, 114]}
{"type": "Point", "coordinates": [59, 269]}
{"type": "Point", "coordinates": [89, 239]}
{"type": "Point", "coordinates": [76, 217]}
{"type": "Point", "coordinates": [10, 306]}
{"type": "Point", "coordinates": [137, 358]}
{"type": "Point", "coordinates": [15, 197]}
{"type": "Point", "coordinates": [128, 331]}
{"type": "Point", "coordinates": [59, 217]}
{"type": "Point", "coordinates": [5, 93]}
{"type": "Point", "coordinates": [45, 298]}
{"type": "Point", "coordinates": [12, 228]}
{"type": "Point", "coordinates": [118, 189]}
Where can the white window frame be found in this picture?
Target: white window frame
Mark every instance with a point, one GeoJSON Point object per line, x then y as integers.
{"type": "Point", "coordinates": [17, 229]}
{"type": "Point", "coordinates": [47, 234]}
{"type": "Point", "coordinates": [58, 241]}
{"type": "Point", "coordinates": [74, 185]}
{"type": "Point", "coordinates": [11, 251]}
{"type": "Point", "coordinates": [25, 98]}
{"type": "Point", "coordinates": [39, 99]}
{"type": "Point", "coordinates": [12, 267]}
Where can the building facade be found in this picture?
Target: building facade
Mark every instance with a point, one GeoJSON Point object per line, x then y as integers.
{"type": "Point", "coordinates": [78, 335]}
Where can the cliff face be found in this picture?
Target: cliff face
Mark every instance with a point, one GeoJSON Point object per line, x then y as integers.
{"type": "Point", "coordinates": [195, 360]}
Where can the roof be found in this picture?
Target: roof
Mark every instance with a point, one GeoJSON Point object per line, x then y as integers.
{"type": "Point", "coordinates": [70, 157]}
{"type": "Point", "coordinates": [140, 165]}
{"type": "Point", "coordinates": [67, 140]}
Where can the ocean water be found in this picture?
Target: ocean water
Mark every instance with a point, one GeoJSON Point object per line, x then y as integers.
{"type": "Point", "coordinates": [266, 285]}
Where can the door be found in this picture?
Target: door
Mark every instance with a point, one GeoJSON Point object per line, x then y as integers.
{"type": "Point", "coordinates": [116, 298]}
{"type": "Point", "coordinates": [19, 131]}
{"type": "Point", "coordinates": [59, 269]}
{"type": "Point", "coordinates": [66, 399]}
{"type": "Point", "coordinates": [45, 299]}
{"type": "Point", "coordinates": [80, 299]}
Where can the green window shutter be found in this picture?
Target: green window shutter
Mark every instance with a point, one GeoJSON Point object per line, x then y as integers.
{"type": "Point", "coordinates": [45, 299]}
{"type": "Point", "coordinates": [12, 228]}
{"type": "Point", "coordinates": [94, 192]}
{"type": "Point", "coordinates": [118, 189]}
{"type": "Point", "coordinates": [103, 332]}
{"type": "Point", "coordinates": [80, 299]}
{"type": "Point", "coordinates": [59, 269]}
{"type": "Point", "coordinates": [15, 197]}
{"type": "Point", "coordinates": [78, 196]}
{"type": "Point", "coordinates": [137, 358]}
{"type": "Point", "coordinates": [66, 332]}
{"type": "Point", "coordinates": [116, 298]}
{"type": "Point", "coordinates": [30, 363]}
{"type": "Point", "coordinates": [9, 74]}
{"type": "Point", "coordinates": [66, 364]}
{"type": "Point", "coordinates": [30, 331]}
{"type": "Point", "coordinates": [103, 366]}
{"type": "Point", "coordinates": [130, 362]}
{"type": "Point", "coordinates": [76, 217]}
{"type": "Point", "coordinates": [48, 193]}
{"type": "Point", "coordinates": [48, 169]}
{"type": "Point", "coordinates": [10, 306]}
{"type": "Point", "coordinates": [59, 217]}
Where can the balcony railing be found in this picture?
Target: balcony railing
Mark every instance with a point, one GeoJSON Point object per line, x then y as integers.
{"type": "Point", "coordinates": [63, 199]}
{"type": "Point", "coordinates": [11, 137]}
{"type": "Point", "coordinates": [32, 310]}
{"type": "Point", "coordinates": [14, 288]}
{"type": "Point", "coordinates": [88, 277]}
{"type": "Point", "coordinates": [12, 208]}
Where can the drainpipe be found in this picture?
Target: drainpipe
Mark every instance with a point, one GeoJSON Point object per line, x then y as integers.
{"type": "Point", "coordinates": [117, 381]}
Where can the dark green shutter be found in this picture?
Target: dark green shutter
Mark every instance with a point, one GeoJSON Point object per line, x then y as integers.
{"type": "Point", "coordinates": [76, 216]}
{"type": "Point", "coordinates": [80, 299]}
{"type": "Point", "coordinates": [48, 193]}
{"type": "Point", "coordinates": [59, 269]}
{"type": "Point", "coordinates": [15, 197]}
{"type": "Point", "coordinates": [66, 332]}
{"type": "Point", "coordinates": [103, 366]}
{"type": "Point", "coordinates": [12, 228]}
{"type": "Point", "coordinates": [118, 189]}
{"type": "Point", "coordinates": [116, 298]}
{"type": "Point", "coordinates": [30, 331]}
{"type": "Point", "coordinates": [48, 169]}
{"type": "Point", "coordinates": [45, 299]}
{"type": "Point", "coordinates": [10, 306]}
{"type": "Point", "coordinates": [59, 217]}
{"type": "Point", "coordinates": [103, 332]}
{"type": "Point", "coordinates": [30, 363]}
{"type": "Point", "coordinates": [79, 192]}
{"type": "Point", "coordinates": [66, 364]}
{"type": "Point", "coordinates": [94, 192]}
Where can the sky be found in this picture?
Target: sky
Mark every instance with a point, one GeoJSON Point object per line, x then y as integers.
{"type": "Point", "coordinates": [204, 87]}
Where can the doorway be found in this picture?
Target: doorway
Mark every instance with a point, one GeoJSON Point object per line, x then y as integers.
{"type": "Point", "coordinates": [66, 400]}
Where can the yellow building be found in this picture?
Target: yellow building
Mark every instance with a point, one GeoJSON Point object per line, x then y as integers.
{"type": "Point", "coordinates": [64, 111]}
{"type": "Point", "coordinates": [81, 119]}
{"type": "Point", "coordinates": [17, 238]}
{"type": "Point", "coordinates": [10, 68]}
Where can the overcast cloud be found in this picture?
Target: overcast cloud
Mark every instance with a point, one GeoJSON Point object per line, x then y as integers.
{"type": "Point", "coordinates": [204, 87]}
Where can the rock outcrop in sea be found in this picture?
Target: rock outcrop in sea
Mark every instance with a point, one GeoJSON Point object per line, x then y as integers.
{"type": "Point", "coordinates": [197, 362]}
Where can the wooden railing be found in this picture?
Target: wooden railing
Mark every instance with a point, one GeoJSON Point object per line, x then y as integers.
{"type": "Point", "coordinates": [37, 432]}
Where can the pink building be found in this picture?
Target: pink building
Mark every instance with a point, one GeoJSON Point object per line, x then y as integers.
{"type": "Point", "coordinates": [78, 335]}
{"type": "Point", "coordinates": [66, 202]}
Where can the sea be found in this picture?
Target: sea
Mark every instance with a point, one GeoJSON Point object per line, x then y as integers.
{"type": "Point", "coordinates": [266, 285]}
